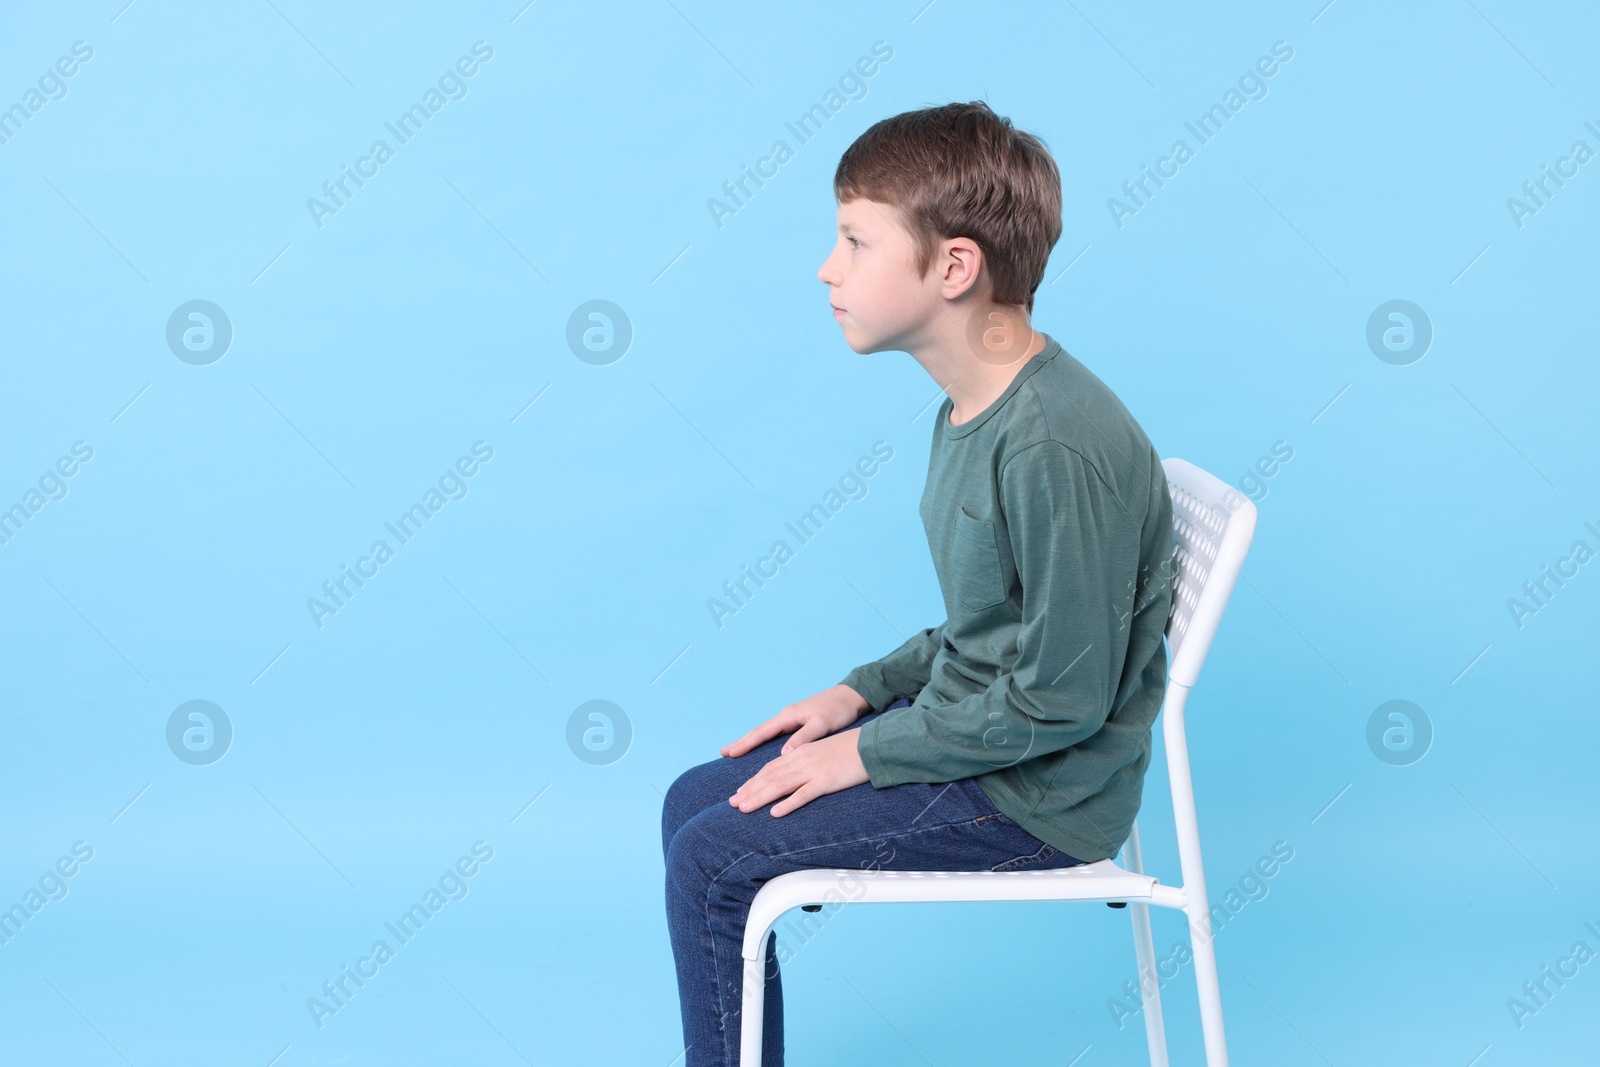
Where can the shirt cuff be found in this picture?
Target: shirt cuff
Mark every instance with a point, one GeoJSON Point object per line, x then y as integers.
{"type": "Point", "coordinates": [877, 695]}
{"type": "Point", "coordinates": [879, 773]}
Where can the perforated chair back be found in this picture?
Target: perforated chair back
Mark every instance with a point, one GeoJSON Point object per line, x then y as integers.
{"type": "Point", "coordinates": [1212, 526]}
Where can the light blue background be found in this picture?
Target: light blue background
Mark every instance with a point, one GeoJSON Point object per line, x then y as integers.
{"type": "Point", "coordinates": [426, 315]}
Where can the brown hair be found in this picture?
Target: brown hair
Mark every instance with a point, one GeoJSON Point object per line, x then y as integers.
{"type": "Point", "coordinates": [960, 170]}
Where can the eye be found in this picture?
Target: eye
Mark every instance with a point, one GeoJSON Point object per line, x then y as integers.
{"type": "Point", "coordinates": [853, 242]}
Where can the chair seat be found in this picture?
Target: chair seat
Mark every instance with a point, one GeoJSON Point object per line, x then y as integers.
{"type": "Point", "coordinates": [1101, 880]}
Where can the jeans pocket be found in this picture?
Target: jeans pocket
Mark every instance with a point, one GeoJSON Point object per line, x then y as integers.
{"type": "Point", "coordinates": [1007, 836]}
{"type": "Point", "coordinates": [1022, 863]}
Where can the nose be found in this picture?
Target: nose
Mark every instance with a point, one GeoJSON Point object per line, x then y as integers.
{"type": "Point", "coordinates": [825, 272]}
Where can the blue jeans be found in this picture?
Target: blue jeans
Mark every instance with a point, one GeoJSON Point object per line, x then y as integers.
{"type": "Point", "coordinates": [718, 857]}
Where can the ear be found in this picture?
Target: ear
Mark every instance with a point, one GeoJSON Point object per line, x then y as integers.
{"type": "Point", "coordinates": [959, 264]}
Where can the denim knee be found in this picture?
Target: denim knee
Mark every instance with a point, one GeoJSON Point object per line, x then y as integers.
{"type": "Point", "coordinates": [691, 865]}
{"type": "Point", "coordinates": [673, 812]}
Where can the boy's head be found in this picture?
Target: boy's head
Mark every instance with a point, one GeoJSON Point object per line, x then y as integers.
{"type": "Point", "coordinates": [938, 207]}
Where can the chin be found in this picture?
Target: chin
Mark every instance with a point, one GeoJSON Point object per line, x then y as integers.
{"type": "Point", "coordinates": [861, 346]}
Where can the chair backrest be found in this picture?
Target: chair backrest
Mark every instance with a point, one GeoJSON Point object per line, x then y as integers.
{"type": "Point", "coordinates": [1213, 524]}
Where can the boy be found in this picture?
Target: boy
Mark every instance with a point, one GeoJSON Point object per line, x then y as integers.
{"type": "Point", "coordinates": [1013, 736]}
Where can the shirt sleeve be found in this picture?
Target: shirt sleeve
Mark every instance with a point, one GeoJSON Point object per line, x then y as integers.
{"type": "Point", "coordinates": [1077, 556]}
{"type": "Point", "coordinates": [903, 672]}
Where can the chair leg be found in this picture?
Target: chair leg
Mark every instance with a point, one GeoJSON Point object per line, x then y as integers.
{"type": "Point", "coordinates": [750, 1013]}
{"type": "Point", "coordinates": [1154, 1025]}
{"type": "Point", "coordinates": [1144, 951]}
{"type": "Point", "coordinates": [1205, 980]}
{"type": "Point", "coordinates": [1196, 905]}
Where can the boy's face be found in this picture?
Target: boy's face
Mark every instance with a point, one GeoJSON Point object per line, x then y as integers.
{"type": "Point", "coordinates": [872, 280]}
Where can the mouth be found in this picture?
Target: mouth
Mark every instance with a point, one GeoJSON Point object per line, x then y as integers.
{"type": "Point", "coordinates": [837, 311]}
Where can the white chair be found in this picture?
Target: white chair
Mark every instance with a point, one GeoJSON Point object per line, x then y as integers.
{"type": "Point", "coordinates": [1213, 527]}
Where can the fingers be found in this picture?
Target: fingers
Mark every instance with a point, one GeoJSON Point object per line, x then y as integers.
{"type": "Point", "coordinates": [748, 798]}
{"type": "Point", "coordinates": [798, 799]}
{"type": "Point", "coordinates": [779, 723]}
{"type": "Point", "coordinates": [756, 791]}
{"type": "Point", "coordinates": [766, 785]}
{"type": "Point", "coordinates": [809, 732]}
{"type": "Point", "coordinates": [750, 740]}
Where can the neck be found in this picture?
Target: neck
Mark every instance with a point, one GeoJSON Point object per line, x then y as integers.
{"type": "Point", "coordinates": [975, 360]}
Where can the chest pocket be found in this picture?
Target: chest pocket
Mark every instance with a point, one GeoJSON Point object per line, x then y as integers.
{"type": "Point", "coordinates": [976, 562]}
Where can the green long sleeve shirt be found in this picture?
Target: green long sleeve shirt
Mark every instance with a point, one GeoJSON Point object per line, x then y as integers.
{"type": "Point", "coordinates": [1050, 526]}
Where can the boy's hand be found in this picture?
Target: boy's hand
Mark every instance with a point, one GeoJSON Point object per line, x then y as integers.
{"type": "Point", "coordinates": [806, 772]}
{"type": "Point", "coordinates": [816, 716]}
